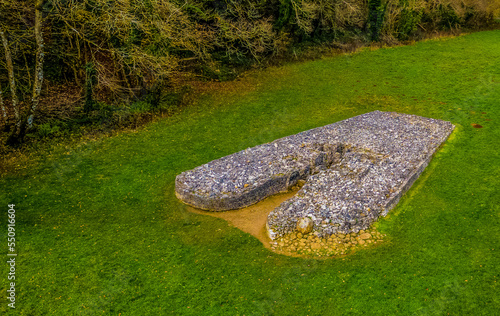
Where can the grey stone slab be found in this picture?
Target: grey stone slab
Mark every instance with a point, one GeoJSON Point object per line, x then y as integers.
{"type": "Point", "coordinates": [354, 171]}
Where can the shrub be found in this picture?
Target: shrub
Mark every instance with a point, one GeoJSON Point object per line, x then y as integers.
{"type": "Point", "coordinates": [376, 18]}
{"type": "Point", "coordinates": [46, 130]}
{"type": "Point", "coordinates": [408, 23]}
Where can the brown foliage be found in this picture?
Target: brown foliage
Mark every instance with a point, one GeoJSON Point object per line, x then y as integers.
{"type": "Point", "coordinates": [119, 51]}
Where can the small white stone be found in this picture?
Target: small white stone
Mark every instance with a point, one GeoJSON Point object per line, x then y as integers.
{"type": "Point", "coordinates": [305, 225]}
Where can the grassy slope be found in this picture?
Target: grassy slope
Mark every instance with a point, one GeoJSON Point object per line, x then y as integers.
{"type": "Point", "coordinates": [101, 232]}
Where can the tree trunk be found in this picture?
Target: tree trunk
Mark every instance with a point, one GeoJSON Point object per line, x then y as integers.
{"type": "Point", "coordinates": [12, 79]}
{"type": "Point", "coordinates": [4, 112]}
{"type": "Point", "coordinates": [37, 85]}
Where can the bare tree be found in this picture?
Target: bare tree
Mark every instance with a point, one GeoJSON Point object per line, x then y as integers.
{"type": "Point", "coordinates": [37, 85]}
{"type": "Point", "coordinates": [23, 126]}
{"type": "Point", "coordinates": [12, 78]}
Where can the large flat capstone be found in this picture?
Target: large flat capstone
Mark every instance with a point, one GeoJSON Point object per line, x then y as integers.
{"type": "Point", "coordinates": [354, 171]}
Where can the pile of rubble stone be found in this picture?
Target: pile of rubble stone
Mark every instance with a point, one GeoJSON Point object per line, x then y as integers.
{"type": "Point", "coordinates": [351, 172]}
{"type": "Point", "coordinates": [310, 245]}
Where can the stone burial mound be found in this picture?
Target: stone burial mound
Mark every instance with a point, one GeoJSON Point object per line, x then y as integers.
{"type": "Point", "coordinates": [350, 173]}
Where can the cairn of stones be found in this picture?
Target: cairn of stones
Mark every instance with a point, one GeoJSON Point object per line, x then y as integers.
{"type": "Point", "coordinates": [350, 173]}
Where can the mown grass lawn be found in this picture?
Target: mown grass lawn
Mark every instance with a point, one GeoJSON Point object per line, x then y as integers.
{"type": "Point", "coordinates": [100, 232]}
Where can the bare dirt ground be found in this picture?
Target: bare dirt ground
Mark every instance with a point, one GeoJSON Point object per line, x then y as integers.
{"type": "Point", "coordinates": [251, 219]}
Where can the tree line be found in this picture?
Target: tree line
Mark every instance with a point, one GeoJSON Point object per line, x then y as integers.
{"type": "Point", "coordinates": [118, 52]}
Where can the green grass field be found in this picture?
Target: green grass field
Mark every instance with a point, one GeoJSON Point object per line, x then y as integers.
{"type": "Point", "coordinates": [100, 232]}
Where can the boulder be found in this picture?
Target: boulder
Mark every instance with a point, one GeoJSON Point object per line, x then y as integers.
{"type": "Point", "coordinates": [305, 225]}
